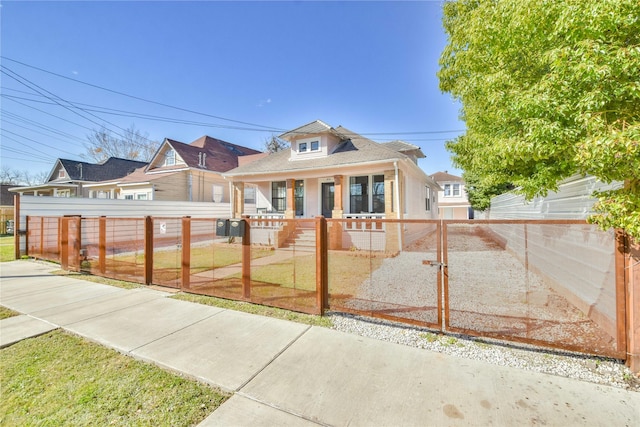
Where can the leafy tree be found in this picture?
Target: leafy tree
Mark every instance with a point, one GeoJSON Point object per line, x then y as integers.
{"type": "Point", "coordinates": [132, 145]}
{"type": "Point", "coordinates": [549, 88]}
{"type": "Point", "coordinates": [275, 144]}
{"type": "Point", "coordinates": [479, 192]}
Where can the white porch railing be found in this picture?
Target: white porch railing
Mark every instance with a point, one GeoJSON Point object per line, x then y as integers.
{"type": "Point", "coordinates": [363, 225]}
{"type": "Point", "coordinates": [267, 220]}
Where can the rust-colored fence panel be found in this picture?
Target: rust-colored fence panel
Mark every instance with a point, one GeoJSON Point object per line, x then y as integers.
{"type": "Point", "coordinates": [215, 262]}
{"type": "Point", "coordinates": [43, 238]}
{"type": "Point", "coordinates": [386, 268]}
{"type": "Point", "coordinates": [283, 264]}
{"type": "Point", "coordinates": [124, 253]}
{"type": "Point", "coordinates": [167, 252]}
{"type": "Point", "coordinates": [544, 282]}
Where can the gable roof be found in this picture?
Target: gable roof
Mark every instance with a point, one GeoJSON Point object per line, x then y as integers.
{"type": "Point", "coordinates": [405, 147]}
{"type": "Point", "coordinates": [446, 177]}
{"type": "Point", "coordinates": [111, 168]}
{"type": "Point", "coordinates": [221, 156]}
{"type": "Point", "coordinates": [316, 126]}
{"type": "Point", "coordinates": [353, 149]}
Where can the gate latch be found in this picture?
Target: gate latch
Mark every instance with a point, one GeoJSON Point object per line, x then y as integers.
{"type": "Point", "coordinates": [434, 263]}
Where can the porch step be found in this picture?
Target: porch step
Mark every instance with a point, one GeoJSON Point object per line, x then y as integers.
{"type": "Point", "coordinates": [302, 240]}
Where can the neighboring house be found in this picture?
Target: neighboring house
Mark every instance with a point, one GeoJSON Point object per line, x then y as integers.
{"type": "Point", "coordinates": [179, 172]}
{"type": "Point", "coordinates": [70, 178]}
{"type": "Point", "coordinates": [6, 209]}
{"type": "Point", "coordinates": [452, 199]}
{"type": "Point", "coordinates": [337, 173]}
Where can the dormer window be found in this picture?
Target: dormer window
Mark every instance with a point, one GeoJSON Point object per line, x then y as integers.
{"type": "Point", "coordinates": [170, 158]}
{"type": "Point", "coordinates": [302, 147]}
{"type": "Point", "coordinates": [315, 145]}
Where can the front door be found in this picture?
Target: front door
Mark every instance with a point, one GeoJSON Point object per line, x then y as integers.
{"type": "Point", "coordinates": [328, 200]}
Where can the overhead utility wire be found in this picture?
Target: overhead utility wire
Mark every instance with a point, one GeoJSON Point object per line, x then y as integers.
{"type": "Point", "coordinates": [124, 113]}
{"type": "Point", "coordinates": [38, 142]}
{"type": "Point", "coordinates": [266, 128]}
{"type": "Point", "coordinates": [66, 107]}
{"type": "Point", "coordinates": [25, 120]}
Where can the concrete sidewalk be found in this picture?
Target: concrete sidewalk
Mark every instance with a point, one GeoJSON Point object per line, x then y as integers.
{"type": "Point", "coordinates": [284, 373]}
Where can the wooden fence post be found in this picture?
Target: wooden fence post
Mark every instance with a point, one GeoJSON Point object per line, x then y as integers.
{"type": "Point", "coordinates": [148, 250]}
{"type": "Point", "coordinates": [246, 261]}
{"type": "Point", "coordinates": [102, 244]}
{"type": "Point", "coordinates": [186, 252]}
{"type": "Point", "coordinates": [64, 243]}
{"type": "Point", "coordinates": [322, 282]}
{"type": "Point", "coordinates": [632, 294]}
{"type": "Point", "coordinates": [16, 226]}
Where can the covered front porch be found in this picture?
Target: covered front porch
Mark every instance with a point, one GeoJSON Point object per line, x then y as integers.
{"type": "Point", "coordinates": [365, 196]}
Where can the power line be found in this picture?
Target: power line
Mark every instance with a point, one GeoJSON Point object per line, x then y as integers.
{"type": "Point", "coordinates": [264, 128]}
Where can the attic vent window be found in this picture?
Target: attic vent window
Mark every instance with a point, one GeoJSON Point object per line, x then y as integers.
{"type": "Point", "coordinates": [62, 174]}
{"type": "Point", "coordinates": [170, 158]}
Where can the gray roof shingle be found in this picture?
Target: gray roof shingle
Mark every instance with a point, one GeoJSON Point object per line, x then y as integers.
{"type": "Point", "coordinates": [353, 149]}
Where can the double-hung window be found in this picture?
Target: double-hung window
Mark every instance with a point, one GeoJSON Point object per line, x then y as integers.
{"type": "Point", "coordinates": [279, 196]}
{"type": "Point", "coordinates": [366, 194]}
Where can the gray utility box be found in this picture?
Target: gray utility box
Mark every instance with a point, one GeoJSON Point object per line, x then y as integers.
{"type": "Point", "coordinates": [222, 228]}
{"type": "Point", "coordinates": [236, 227]}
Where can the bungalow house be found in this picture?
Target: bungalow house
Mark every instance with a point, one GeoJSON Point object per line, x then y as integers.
{"type": "Point", "coordinates": [453, 200]}
{"type": "Point", "coordinates": [179, 172]}
{"type": "Point", "coordinates": [336, 173]}
{"type": "Point", "coordinates": [71, 178]}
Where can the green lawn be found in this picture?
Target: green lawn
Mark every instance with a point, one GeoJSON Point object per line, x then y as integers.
{"type": "Point", "coordinates": [61, 379]}
{"type": "Point", "coordinates": [7, 252]}
{"type": "Point", "coordinates": [5, 313]}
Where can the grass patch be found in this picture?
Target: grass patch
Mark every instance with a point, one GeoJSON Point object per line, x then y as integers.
{"type": "Point", "coordinates": [262, 310]}
{"type": "Point", "coordinates": [429, 336]}
{"type": "Point", "coordinates": [6, 313]}
{"type": "Point", "coordinates": [97, 279]}
{"type": "Point", "coordinates": [61, 379]}
{"type": "Point", "coordinates": [7, 252]}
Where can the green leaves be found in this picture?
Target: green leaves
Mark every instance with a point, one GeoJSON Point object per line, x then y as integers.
{"type": "Point", "coordinates": [549, 88]}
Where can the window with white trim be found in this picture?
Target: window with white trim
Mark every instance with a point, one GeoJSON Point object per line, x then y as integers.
{"type": "Point", "coordinates": [218, 193]}
{"type": "Point", "coordinates": [170, 158]}
{"type": "Point", "coordinates": [427, 198]}
{"type": "Point", "coordinates": [302, 147]}
{"type": "Point", "coordinates": [279, 196]}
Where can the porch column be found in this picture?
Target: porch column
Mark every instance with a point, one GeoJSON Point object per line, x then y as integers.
{"type": "Point", "coordinates": [335, 233]}
{"type": "Point", "coordinates": [389, 194]}
{"type": "Point", "coordinates": [392, 230]}
{"type": "Point", "coordinates": [290, 211]}
{"type": "Point", "coordinates": [237, 199]}
{"type": "Point", "coordinates": [338, 186]}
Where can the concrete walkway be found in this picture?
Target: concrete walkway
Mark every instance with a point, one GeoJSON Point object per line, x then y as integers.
{"type": "Point", "coordinates": [288, 374]}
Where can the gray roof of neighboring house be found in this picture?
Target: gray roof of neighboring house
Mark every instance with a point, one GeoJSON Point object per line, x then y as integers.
{"type": "Point", "coordinates": [111, 168]}
{"type": "Point", "coordinates": [6, 197]}
{"type": "Point", "coordinates": [446, 177]}
{"type": "Point", "coordinates": [353, 149]}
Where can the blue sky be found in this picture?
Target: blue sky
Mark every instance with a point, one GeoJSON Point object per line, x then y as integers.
{"type": "Point", "coordinates": [368, 66]}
